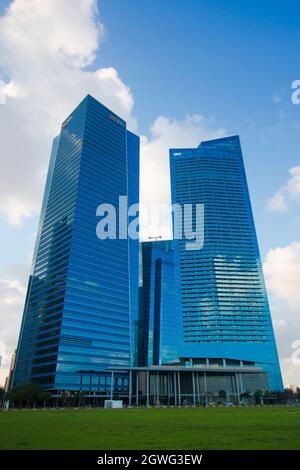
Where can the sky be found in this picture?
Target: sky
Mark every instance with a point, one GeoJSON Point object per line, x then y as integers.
{"type": "Point", "coordinates": [179, 72]}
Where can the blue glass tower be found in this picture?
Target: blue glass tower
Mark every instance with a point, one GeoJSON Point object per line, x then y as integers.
{"type": "Point", "coordinates": [82, 297]}
{"type": "Point", "coordinates": [221, 296]}
{"type": "Point", "coordinates": [159, 328]}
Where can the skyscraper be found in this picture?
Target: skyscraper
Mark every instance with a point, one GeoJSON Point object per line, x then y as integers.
{"type": "Point", "coordinates": [170, 321]}
{"type": "Point", "coordinates": [221, 295]}
{"type": "Point", "coordinates": [159, 328]}
{"type": "Point", "coordinates": [82, 297]}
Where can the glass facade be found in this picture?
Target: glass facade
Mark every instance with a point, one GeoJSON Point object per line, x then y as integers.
{"type": "Point", "coordinates": [159, 328]}
{"type": "Point", "coordinates": [97, 311]}
{"type": "Point", "coordinates": [221, 297]}
{"type": "Point", "coordinates": [82, 293]}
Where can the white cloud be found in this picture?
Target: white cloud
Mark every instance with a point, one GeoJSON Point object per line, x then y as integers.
{"type": "Point", "coordinates": [290, 371]}
{"type": "Point", "coordinates": [287, 332]}
{"type": "Point", "coordinates": [282, 272]}
{"type": "Point", "coordinates": [277, 202]}
{"type": "Point", "coordinates": [167, 133]}
{"type": "Point", "coordinates": [45, 47]}
{"type": "Point", "coordinates": [293, 185]}
{"type": "Point", "coordinates": [287, 193]}
{"type": "Point", "coordinates": [13, 281]}
{"type": "Point", "coordinates": [54, 26]}
{"type": "Point", "coordinates": [11, 292]}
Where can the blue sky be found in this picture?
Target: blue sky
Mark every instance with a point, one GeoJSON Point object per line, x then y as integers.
{"type": "Point", "coordinates": [232, 62]}
{"type": "Point", "coordinates": [223, 59]}
{"type": "Point", "coordinates": [226, 60]}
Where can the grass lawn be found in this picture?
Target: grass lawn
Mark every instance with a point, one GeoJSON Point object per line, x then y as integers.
{"type": "Point", "coordinates": [161, 428]}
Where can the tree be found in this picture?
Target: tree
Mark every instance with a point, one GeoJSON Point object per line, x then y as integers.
{"type": "Point", "coordinates": [222, 395]}
{"type": "Point", "coordinates": [65, 398]}
{"type": "Point", "coordinates": [258, 397]}
{"type": "Point", "coordinates": [287, 396]}
{"type": "Point", "coordinates": [244, 396]}
{"type": "Point", "coordinates": [44, 397]}
{"type": "Point", "coordinates": [29, 392]}
{"type": "Point", "coordinates": [268, 397]}
{"type": "Point", "coordinates": [282, 397]}
{"type": "Point", "coordinates": [2, 394]}
{"type": "Point", "coordinates": [80, 398]}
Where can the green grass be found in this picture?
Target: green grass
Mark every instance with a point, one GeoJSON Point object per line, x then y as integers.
{"type": "Point", "coordinates": [162, 428]}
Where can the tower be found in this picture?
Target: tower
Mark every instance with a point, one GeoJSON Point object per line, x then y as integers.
{"type": "Point", "coordinates": [221, 296]}
{"type": "Point", "coordinates": [82, 294]}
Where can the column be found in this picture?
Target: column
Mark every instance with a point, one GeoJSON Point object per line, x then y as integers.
{"type": "Point", "coordinates": [194, 391]}
{"type": "Point", "coordinates": [130, 387]}
{"type": "Point", "coordinates": [237, 388]}
{"type": "Point", "coordinates": [147, 387]}
{"type": "Point", "coordinates": [198, 386]}
{"type": "Point", "coordinates": [112, 386]}
{"type": "Point", "coordinates": [137, 389]}
{"type": "Point", "coordinates": [205, 388]}
{"type": "Point", "coordinates": [179, 391]}
{"type": "Point", "coordinates": [241, 382]}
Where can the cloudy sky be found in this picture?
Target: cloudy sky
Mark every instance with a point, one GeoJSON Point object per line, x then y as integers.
{"type": "Point", "coordinates": [178, 71]}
